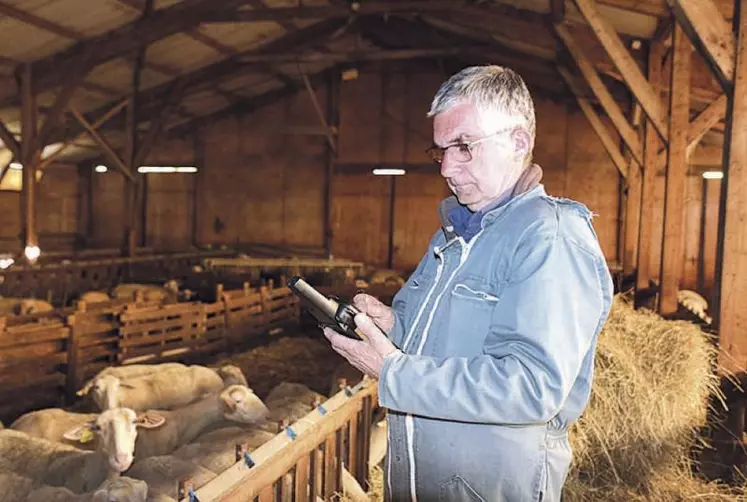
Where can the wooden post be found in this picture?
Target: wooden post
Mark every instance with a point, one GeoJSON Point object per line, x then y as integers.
{"type": "Point", "coordinates": [333, 122]}
{"type": "Point", "coordinates": [650, 169]}
{"type": "Point", "coordinates": [29, 160]}
{"type": "Point", "coordinates": [730, 317]}
{"type": "Point", "coordinates": [673, 253]}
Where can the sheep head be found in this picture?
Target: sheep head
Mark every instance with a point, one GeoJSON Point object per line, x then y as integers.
{"type": "Point", "coordinates": [104, 391]}
{"type": "Point", "coordinates": [240, 404]}
{"type": "Point", "coordinates": [121, 489]}
{"type": "Point", "coordinates": [116, 429]}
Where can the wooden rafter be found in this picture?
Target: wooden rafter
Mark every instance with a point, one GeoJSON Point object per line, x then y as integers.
{"type": "Point", "coordinates": [625, 63]}
{"type": "Point", "coordinates": [157, 124]}
{"type": "Point", "coordinates": [610, 106]}
{"type": "Point", "coordinates": [103, 144]}
{"type": "Point", "coordinates": [710, 33]}
{"type": "Point", "coordinates": [10, 141]}
{"type": "Point", "coordinates": [53, 71]}
{"type": "Point", "coordinates": [596, 123]}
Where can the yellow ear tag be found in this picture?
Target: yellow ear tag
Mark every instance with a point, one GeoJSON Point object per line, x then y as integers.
{"type": "Point", "coordinates": [86, 436]}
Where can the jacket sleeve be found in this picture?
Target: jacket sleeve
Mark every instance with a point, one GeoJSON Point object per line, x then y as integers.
{"type": "Point", "coordinates": [541, 330]}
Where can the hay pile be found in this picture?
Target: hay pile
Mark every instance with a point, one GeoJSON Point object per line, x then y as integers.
{"type": "Point", "coordinates": [652, 385]}
{"type": "Point", "coordinates": [310, 361]}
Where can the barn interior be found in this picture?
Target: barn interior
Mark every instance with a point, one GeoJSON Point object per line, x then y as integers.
{"type": "Point", "coordinates": [167, 165]}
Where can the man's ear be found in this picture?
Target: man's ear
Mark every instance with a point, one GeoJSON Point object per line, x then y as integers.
{"type": "Point", "coordinates": [521, 141]}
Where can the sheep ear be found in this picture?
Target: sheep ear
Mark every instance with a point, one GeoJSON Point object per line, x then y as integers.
{"type": "Point", "coordinates": [81, 434]}
{"type": "Point", "coordinates": [150, 420]}
{"type": "Point", "coordinates": [126, 385]}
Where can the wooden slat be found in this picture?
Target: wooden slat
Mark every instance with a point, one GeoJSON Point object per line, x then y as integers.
{"type": "Point", "coordinates": [643, 91]}
{"type": "Point", "coordinates": [599, 128]}
{"type": "Point", "coordinates": [705, 121]}
{"type": "Point", "coordinates": [302, 479]}
{"type": "Point", "coordinates": [709, 32]}
{"type": "Point", "coordinates": [613, 110]}
{"type": "Point", "coordinates": [673, 253]}
{"type": "Point", "coordinates": [651, 167]}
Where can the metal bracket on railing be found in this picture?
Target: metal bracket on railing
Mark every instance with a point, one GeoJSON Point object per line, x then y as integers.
{"type": "Point", "coordinates": [242, 454]}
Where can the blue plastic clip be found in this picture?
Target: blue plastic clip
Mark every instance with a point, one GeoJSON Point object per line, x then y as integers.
{"type": "Point", "coordinates": [322, 409]}
{"type": "Point", "coordinates": [248, 460]}
{"type": "Point", "coordinates": [290, 433]}
{"type": "Point", "coordinates": [192, 496]}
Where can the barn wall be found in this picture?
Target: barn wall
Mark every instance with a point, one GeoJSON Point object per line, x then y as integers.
{"type": "Point", "coordinates": [57, 211]}
{"type": "Point", "coordinates": [168, 206]}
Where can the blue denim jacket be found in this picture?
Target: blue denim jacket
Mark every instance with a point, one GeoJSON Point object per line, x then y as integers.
{"type": "Point", "coordinates": [498, 337]}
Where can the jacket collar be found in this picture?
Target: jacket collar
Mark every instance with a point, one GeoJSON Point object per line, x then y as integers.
{"type": "Point", "coordinates": [490, 214]}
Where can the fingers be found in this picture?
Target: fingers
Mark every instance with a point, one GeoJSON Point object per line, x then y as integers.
{"type": "Point", "coordinates": [370, 305]}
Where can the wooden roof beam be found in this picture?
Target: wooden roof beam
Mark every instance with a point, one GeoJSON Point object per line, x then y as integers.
{"type": "Point", "coordinates": [639, 86]}
{"type": "Point", "coordinates": [599, 128]}
{"type": "Point", "coordinates": [53, 70]}
{"type": "Point", "coordinates": [710, 33]}
{"type": "Point", "coordinates": [610, 106]}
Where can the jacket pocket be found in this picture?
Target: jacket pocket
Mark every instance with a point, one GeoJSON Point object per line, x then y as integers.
{"type": "Point", "coordinates": [457, 489]}
{"type": "Point", "coordinates": [469, 314]}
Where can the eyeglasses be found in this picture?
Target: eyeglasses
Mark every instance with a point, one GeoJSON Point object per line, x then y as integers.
{"type": "Point", "coordinates": [463, 152]}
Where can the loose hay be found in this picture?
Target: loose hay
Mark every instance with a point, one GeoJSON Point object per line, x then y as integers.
{"type": "Point", "coordinates": [652, 384]}
{"type": "Point", "coordinates": [310, 361]}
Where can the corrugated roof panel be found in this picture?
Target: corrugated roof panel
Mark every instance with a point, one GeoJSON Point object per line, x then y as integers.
{"type": "Point", "coordinates": [162, 4]}
{"type": "Point", "coordinates": [86, 100]}
{"type": "Point", "coordinates": [242, 36]}
{"type": "Point", "coordinates": [205, 104]}
{"type": "Point", "coordinates": [181, 53]}
{"type": "Point", "coordinates": [23, 42]}
{"type": "Point", "coordinates": [83, 16]}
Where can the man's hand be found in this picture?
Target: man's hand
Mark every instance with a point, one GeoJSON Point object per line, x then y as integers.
{"type": "Point", "coordinates": [381, 315]}
{"type": "Point", "coordinates": [367, 356]}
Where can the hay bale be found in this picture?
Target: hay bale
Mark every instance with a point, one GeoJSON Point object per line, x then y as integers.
{"type": "Point", "coordinates": [653, 382]}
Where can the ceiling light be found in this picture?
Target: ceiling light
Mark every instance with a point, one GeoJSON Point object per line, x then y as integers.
{"type": "Point", "coordinates": [32, 253]}
{"type": "Point", "coordinates": [166, 169]}
{"type": "Point", "coordinates": [713, 175]}
{"type": "Point", "coordinates": [100, 168]}
{"type": "Point", "coordinates": [389, 172]}
{"type": "Point", "coordinates": [16, 166]}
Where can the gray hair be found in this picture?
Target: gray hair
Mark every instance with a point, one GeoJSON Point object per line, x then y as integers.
{"type": "Point", "coordinates": [489, 88]}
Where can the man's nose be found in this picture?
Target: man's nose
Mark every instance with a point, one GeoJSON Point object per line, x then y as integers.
{"type": "Point", "coordinates": [448, 166]}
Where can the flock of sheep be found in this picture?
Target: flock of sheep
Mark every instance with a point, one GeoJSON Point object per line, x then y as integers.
{"type": "Point", "coordinates": [153, 425]}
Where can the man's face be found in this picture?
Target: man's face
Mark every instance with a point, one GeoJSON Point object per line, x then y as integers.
{"type": "Point", "coordinates": [496, 164]}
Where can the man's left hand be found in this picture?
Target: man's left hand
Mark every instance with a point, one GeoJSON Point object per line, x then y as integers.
{"type": "Point", "coordinates": [367, 356]}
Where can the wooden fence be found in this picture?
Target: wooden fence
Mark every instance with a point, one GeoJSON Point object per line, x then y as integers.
{"type": "Point", "coordinates": [303, 461]}
{"type": "Point", "coordinates": [45, 359]}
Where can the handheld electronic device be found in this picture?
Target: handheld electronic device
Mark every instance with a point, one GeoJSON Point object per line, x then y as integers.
{"type": "Point", "coordinates": [328, 311]}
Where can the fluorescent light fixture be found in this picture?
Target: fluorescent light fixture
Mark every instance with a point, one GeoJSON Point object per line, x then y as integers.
{"type": "Point", "coordinates": [389, 172]}
{"type": "Point", "coordinates": [32, 253]}
{"type": "Point", "coordinates": [713, 175]}
{"type": "Point", "coordinates": [101, 168]}
{"type": "Point", "coordinates": [16, 166]}
{"type": "Point", "coordinates": [166, 169]}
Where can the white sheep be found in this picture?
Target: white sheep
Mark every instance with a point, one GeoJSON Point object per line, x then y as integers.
{"type": "Point", "coordinates": [23, 306]}
{"type": "Point", "coordinates": [55, 464]}
{"type": "Point", "coordinates": [130, 371]}
{"type": "Point", "coordinates": [163, 473]}
{"type": "Point", "coordinates": [17, 488]}
{"type": "Point", "coordinates": [163, 390]}
{"type": "Point", "coordinates": [167, 293]}
{"type": "Point", "coordinates": [695, 303]}
{"type": "Point", "coordinates": [91, 297]}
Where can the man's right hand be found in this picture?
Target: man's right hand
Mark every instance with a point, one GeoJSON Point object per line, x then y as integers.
{"type": "Point", "coordinates": [381, 314]}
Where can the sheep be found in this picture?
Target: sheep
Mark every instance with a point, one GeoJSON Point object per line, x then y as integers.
{"type": "Point", "coordinates": [130, 371]}
{"type": "Point", "coordinates": [54, 464]}
{"type": "Point", "coordinates": [232, 375]}
{"type": "Point", "coordinates": [91, 297]}
{"type": "Point", "coordinates": [166, 293]}
{"type": "Point", "coordinates": [23, 306]}
{"type": "Point", "coordinates": [163, 390]}
{"type": "Point", "coordinates": [163, 473]}
{"type": "Point", "coordinates": [695, 303]}
{"type": "Point", "coordinates": [17, 488]}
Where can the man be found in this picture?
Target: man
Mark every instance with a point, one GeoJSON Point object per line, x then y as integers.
{"type": "Point", "coordinates": [487, 354]}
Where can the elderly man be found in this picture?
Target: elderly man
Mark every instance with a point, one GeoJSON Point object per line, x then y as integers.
{"type": "Point", "coordinates": [487, 354]}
